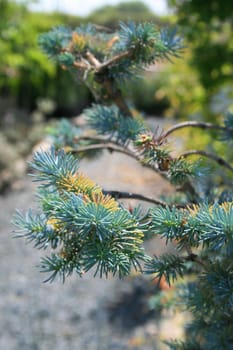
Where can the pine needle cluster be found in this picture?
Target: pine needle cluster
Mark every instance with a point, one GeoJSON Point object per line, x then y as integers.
{"type": "Point", "coordinates": [84, 227]}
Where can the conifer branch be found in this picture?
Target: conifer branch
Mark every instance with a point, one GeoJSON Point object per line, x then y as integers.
{"type": "Point", "coordinates": [113, 93]}
{"type": "Point", "coordinates": [82, 65]}
{"type": "Point", "coordinates": [97, 138]}
{"type": "Point", "coordinates": [193, 124]}
{"type": "Point", "coordinates": [193, 257]}
{"type": "Point", "coordinates": [219, 160]}
{"type": "Point", "coordinates": [100, 146]}
{"type": "Point", "coordinates": [93, 60]}
{"type": "Point", "coordinates": [114, 146]}
{"type": "Point", "coordinates": [130, 195]}
{"type": "Point", "coordinates": [101, 67]}
{"type": "Point", "coordinates": [112, 60]}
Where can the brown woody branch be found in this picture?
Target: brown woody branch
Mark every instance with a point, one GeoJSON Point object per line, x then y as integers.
{"type": "Point", "coordinates": [100, 67]}
{"type": "Point", "coordinates": [100, 146]}
{"type": "Point", "coordinates": [93, 60]}
{"type": "Point", "coordinates": [130, 195]}
{"type": "Point", "coordinates": [219, 160]}
{"type": "Point", "coordinates": [193, 124]}
{"type": "Point", "coordinates": [111, 91]}
{"type": "Point", "coordinates": [194, 257]}
{"type": "Point", "coordinates": [114, 94]}
{"type": "Point", "coordinates": [80, 65]}
{"type": "Point", "coordinates": [113, 60]}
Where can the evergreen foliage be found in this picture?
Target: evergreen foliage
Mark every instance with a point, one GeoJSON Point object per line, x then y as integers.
{"type": "Point", "coordinates": [86, 228]}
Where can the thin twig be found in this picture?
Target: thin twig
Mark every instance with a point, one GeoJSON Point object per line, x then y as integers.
{"type": "Point", "coordinates": [109, 146]}
{"type": "Point", "coordinates": [130, 195]}
{"type": "Point", "coordinates": [195, 124]}
{"type": "Point", "coordinates": [191, 256]}
{"type": "Point", "coordinates": [93, 60]}
{"type": "Point", "coordinates": [194, 257]}
{"type": "Point", "coordinates": [97, 65]}
{"type": "Point", "coordinates": [89, 137]}
{"type": "Point", "coordinates": [217, 159]}
{"type": "Point", "coordinates": [107, 82]}
{"type": "Point", "coordinates": [100, 67]}
{"type": "Point", "coordinates": [112, 60]}
{"type": "Point", "coordinates": [82, 65]}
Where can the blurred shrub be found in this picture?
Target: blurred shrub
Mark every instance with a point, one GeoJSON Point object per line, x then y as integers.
{"type": "Point", "coordinates": [171, 90]}
{"type": "Point", "coordinates": [131, 10]}
{"type": "Point", "coordinates": [180, 86]}
{"type": "Point", "coordinates": [143, 94]}
{"type": "Point", "coordinates": [25, 73]}
{"type": "Point", "coordinates": [208, 28]}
